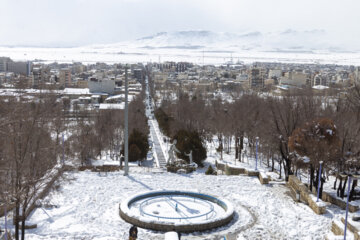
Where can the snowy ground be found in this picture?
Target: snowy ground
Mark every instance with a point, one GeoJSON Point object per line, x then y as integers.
{"type": "Point", "coordinates": [86, 207]}
{"type": "Point", "coordinates": [135, 54]}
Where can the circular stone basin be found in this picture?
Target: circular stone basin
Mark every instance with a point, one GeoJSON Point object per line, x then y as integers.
{"type": "Point", "coordinates": [181, 211]}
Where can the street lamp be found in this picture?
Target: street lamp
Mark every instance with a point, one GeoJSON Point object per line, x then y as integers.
{"type": "Point", "coordinates": [347, 202]}
{"type": "Point", "coordinates": [257, 144]}
{"type": "Point", "coordinates": [126, 172]}
{"type": "Point", "coordinates": [319, 180]}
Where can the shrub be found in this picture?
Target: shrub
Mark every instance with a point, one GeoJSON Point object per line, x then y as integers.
{"type": "Point", "coordinates": [190, 141]}
{"type": "Point", "coordinates": [219, 148]}
{"type": "Point", "coordinates": [210, 171]}
{"type": "Point", "coordinates": [138, 146]}
{"type": "Point", "coordinates": [134, 153]}
{"type": "Point", "coordinates": [163, 120]}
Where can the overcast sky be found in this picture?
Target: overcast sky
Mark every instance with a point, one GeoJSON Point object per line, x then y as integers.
{"type": "Point", "coordinates": [81, 22]}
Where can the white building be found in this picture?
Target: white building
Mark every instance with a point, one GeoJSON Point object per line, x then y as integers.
{"type": "Point", "coordinates": [275, 73]}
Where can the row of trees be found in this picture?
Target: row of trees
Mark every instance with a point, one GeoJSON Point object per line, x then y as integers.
{"type": "Point", "coordinates": [36, 133]}
{"type": "Point", "coordinates": [28, 150]}
{"type": "Point", "coordinates": [292, 128]}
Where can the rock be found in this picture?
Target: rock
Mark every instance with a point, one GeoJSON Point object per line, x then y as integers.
{"type": "Point", "coordinates": [356, 217]}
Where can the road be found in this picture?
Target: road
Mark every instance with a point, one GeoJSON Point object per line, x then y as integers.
{"type": "Point", "coordinates": [161, 159]}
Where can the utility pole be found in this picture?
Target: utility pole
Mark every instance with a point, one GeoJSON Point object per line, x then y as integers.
{"type": "Point", "coordinates": [257, 145]}
{"type": "Point", "coordinates": [126, 173]}
{"type": "Point", "coordinates": [63, 152]}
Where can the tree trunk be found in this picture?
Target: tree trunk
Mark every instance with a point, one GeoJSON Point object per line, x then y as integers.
{"type": "Point", "coordinates": [23, 224]}
{"type": "Point", "coordinates": [280, 169]}
{"type": "Point", "coordinates": [339, 188]}
{"type": "Point", "coordinates": [311, 177]}
{"type": "Point", "coordinates": [17, 213]}
{"type": "Point", "coordinates": [335, 182]}
{"type": "Point", "coordinates": [342, 191]}
{"type": "Point", "coordinates": [287, 169]}
{"type": "Point", "coordinates": [236, 148]}
{"type": "Point", "coordinates": [354, 184]}
{"type": "Point", "coordinates": [220, 146]}
{"type": "Point", "coordinates": [241, 143]}
{"type": "Point", "coordinates": [321, 186]}
{"type": "Point", "coordinates": [229, 144]}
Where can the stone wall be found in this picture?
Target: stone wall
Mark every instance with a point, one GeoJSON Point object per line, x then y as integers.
{"type": "Point", "coordinates": [186, 228]}
{"type": "Point", "coordinates": [252, 173]}
{"type": "Point", "coordinates": [337, 228]}
{"type": "Point", "coordinates": [220, 166]}
{"type": "Point", "coordinates": [305, 195]}
{"type": "Point", "coordinates": [263, 178]}
{"type": "Point", "coordinates": [175, 169]}
{"type": "Point", "coordinates": [351, 226]}
{"type": "Point", "coordinates": [231, 170]}
{"type": "Point", "coordinates": [327, 197]}
{"type": "Point", "coordinates": [102, 168]}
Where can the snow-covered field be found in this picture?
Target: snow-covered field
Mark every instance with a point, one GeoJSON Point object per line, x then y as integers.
{"type": "Point", "coordinates": [86, 204]}
{"type": "Point", "coordinates": [132, 53]}
{"type": "Point", "coordinates": [86, 207]}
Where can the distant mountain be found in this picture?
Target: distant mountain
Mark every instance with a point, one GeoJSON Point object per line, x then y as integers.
{"type": "Point", "coordinates": [286, 41]}
{"type": "Point", "coordinates": [200, 39]}
{"type": "Point", "coordinates": [206, 47]}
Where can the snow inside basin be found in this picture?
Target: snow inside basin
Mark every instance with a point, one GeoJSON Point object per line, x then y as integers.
{"type": "Point", "coordinates": [182, 211]}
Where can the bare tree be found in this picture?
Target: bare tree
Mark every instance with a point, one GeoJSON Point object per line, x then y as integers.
{"type": "Point", "coordinates": [28, 151]}
{"type": "Point", "coordinates": [316, 141]}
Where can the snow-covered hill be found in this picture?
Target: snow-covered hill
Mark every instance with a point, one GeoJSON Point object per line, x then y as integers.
{"type": "Point", "coordinates": [205, 47]}
{"type": "Point", "coordinates": [286, 41]}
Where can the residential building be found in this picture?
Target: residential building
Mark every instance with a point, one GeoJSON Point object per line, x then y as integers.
{"type": "Point", "coordinates": [23, 68]}
{"type": "Point", "coordinates": [138, 74]}
{"type": "Point", "coordinates": [3, 63]}
{"type": "Point", "coordinates": [357, 75]}
{"type": "Point", "coordinates": [256, 78]}
{"type": "Point", "coordinates": [298, 79]}
{"type": "Point", "coordinates": [65, 77]}
{"type": "Point", "coordinates": [80, 83]}
{"type": "Point", "coordinates": [160, 77]}
{"type": "Point", "coordinates": [275, 73]}
{"type": "Point", "coordinates": [36, 76]}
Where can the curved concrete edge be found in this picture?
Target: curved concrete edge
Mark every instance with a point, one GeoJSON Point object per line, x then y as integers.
{"type": "Point", "coordinates": [129, 217]}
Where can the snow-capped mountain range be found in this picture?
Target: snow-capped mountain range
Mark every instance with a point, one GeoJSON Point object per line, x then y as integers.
{"type": "Point", "coordinates": [205, 47]}
{"type": "Point", "coordinates": [288, 41]}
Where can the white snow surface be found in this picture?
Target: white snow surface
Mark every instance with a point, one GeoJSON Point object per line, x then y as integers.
{"type": "Point", "coordinates": [201, 47]}
{"type": "Point", "coordinates": [87, 207]}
